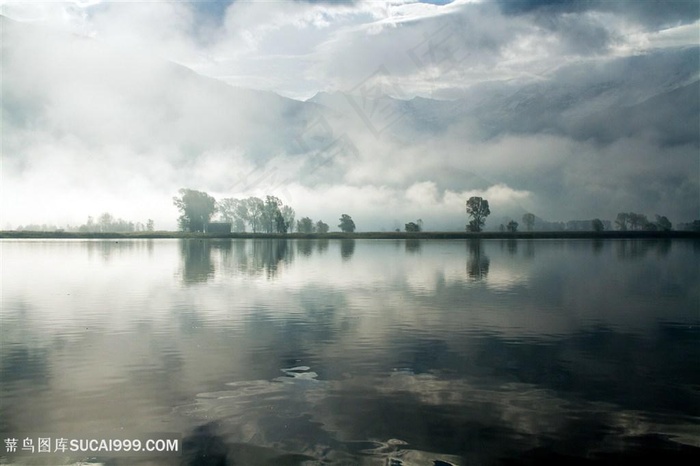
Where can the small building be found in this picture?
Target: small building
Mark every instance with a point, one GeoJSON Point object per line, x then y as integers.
{"type": "Point", "coordinates": [218, 228]}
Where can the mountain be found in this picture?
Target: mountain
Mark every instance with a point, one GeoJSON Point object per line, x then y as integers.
{"type": "Point", "coordinates": [653, 93]}
{"type": "Point", "coordinates": [89, 128]}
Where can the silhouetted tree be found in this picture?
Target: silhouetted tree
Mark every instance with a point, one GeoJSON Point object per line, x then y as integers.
{"type": "Point", "coordinates": [105, 223]}
{"type": "Point", "coordinates": [196, 209]}
{"type": "Point", "coordinates": [663, 223]}
{"type": "Point", "coordinates": [529, 221]}
{"type": "Point", "coordinates": [43, 227]}
{"type": "Point", "coordinates": [412, 227]}
{"type": "Point", "coordinates": [106, 220]}
{"type": "Point", "coordinates": [288, 216]}
{"type": "Point", "coordinates": [305, 225]}
{"type": "Point", "coordinates": [238, 225]}
{"type": "Point", "coordinates": [637, 221]}
{"type": "Point", "coordinates": [241, 215]}
{"type": "Point", "coordinates": [346, 224]}
{"type": "Point", "coordinates": [621, 221]}
{"type": "Point", "coordinates": [233, 211]}
{"type": "Point", "coordinates": [478, 210]}
{"type": "Point", "coordinates": [227, 209]}
{"type": "Point", "coordinates": [322, 227]}
{"type": "Point", "coordinates": [597, 225]}
{"type": "Point", "coordinates": [280, 224]}
{"type": "Point", "coordinates": [271, 209]}
{"type": "Point", "coordinates": [512, 226]}
{"type": "Point", "coordinates": [255, 208]}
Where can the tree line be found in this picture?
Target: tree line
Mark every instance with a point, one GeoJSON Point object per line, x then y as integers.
{"type": "Point", "coordinates": [268, 216]}
{"type": "Point", "coordinates": [478, 209]}
{"type": "Point", "coordinates": [271, 215]}
{"type": "Point", "coordinates": [633, 221]}
{"type": "Point", "coordinates": [104, 223]}
{"type": "Point", "coordinates": [107, 223]}
{"type": "Point", "coordinates": [252, 214]}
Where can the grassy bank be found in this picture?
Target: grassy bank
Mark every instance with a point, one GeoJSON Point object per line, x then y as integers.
{"type": "Point", "coordinates": [361, 235]}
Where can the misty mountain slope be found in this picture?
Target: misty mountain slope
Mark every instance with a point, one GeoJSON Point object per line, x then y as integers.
{"type": "Point", "coordinates": [176, 107]}
{"type": "Point", "coordinates": [568, 103]}
{"type": "Point", "coordinates": [576, 99]}
{"type": "Point", "coordinates": [88, 91]}
{"type": "Point", "coordinates": [670, 118]}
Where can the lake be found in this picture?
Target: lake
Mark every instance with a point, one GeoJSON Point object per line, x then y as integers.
{"type": "Point", "coordinates": [386, 352]}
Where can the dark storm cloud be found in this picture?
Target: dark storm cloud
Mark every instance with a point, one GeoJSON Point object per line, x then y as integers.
{"type": "Point", "coordinates": [653, 13]}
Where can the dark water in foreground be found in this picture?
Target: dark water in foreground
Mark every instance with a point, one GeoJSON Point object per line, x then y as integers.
{"type": "Point", "coordinates": [355, 352]}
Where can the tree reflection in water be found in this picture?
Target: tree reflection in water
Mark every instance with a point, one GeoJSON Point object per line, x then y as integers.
{"type": "Point", "coordinates": [634, 249]}
{"type": "Point", "coordinates": [347, 248]}
{"type": "Point", "coordinates": [413, 246]}
{"type": "Point", "coordinates": [305, 247]}
{"type": "Point", "coordinates": [478, 262]}
{"type": "Point", "coordinates": [197, 266]}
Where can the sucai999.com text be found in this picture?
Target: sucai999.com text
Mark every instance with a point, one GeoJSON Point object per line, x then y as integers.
{"type": "Point", "coordinates": [92, 446]}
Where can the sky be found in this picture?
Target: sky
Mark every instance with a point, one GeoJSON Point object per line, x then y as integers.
{"type": "Point", "coordinates": [387, 111]}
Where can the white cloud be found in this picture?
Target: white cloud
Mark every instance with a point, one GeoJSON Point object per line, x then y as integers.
{"type": "Point", "coordinates": [299, 48]}
{"type": "Point", "coordinates": [87, 115]}
{"type": "Point", "coordinates": [678, 36]}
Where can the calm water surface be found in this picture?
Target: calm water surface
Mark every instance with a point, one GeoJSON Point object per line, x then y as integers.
{"type": "Point", "coordinates": [355, 351]}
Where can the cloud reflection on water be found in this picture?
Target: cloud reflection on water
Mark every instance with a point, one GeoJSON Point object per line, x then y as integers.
{"type": "Point", "coordinates": [408, 355]}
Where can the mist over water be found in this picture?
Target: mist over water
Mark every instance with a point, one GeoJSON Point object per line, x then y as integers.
{"type": "Point", "coordinates": [356, 351]}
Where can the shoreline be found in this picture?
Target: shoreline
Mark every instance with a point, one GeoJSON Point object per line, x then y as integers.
{"type": "Point", "coordinates": [360, 235]}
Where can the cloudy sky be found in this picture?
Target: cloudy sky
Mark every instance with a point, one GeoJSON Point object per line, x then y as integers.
{"type": "Point", "coordinates": [388, 111]}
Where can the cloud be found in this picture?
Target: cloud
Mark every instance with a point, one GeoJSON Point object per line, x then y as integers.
{"type": "Point", "coordinates": [542, 117]}
{"type": "Point", "coordinates": [299, 48]}
{"type": "Point", "coordinates": [652, 13]}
